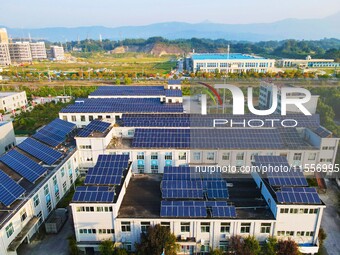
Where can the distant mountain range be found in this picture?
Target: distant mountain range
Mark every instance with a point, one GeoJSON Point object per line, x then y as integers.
{"type": "Point", "coordinates": [308, 29]}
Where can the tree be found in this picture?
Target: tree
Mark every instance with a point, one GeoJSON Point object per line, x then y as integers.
{"type": "Point", "coordinates": [322, 236]}
{"type": "Point", "coordinates": [285, 247]}
{"type": "Point", "coordinates": [120, 251]}
{"type": "Point", "coordinates": [251, 246]}
{"type": "Point", "coordinates": [72, 243]}
{"type": "Point", "coordinates": [236, 244]}
{"type": "Point", "coordinates": [216, 252]}
{"type": "Point", "coordinates": [269, 248]}
{"type": "Point", "coordinates": [106, 247]}
{"type": "Point", "coordinates": [155, 240]}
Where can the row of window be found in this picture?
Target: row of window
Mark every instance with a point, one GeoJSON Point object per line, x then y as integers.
{"type": "Point", "coordinates": [247, 64]}
{"type": "Point", "coordinates": [299, 210]}
{"type": "Point", "coordinates": [83, 117]}
{"type": "Point", "coordinates": [94, 209]}
{"type": "Point", "coordinates": [95, 231]}
{"type": "Point", "coordinates": [298, 233]}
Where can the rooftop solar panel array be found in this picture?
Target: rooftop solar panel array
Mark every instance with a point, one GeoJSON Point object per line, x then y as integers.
{"type": "Point", "coordinates": [197, 209]}
{"type": "Point", "coordinates": [156, 120]}
{"type": "Point", "coordinates": [174, 82]}
{"type": "Point", "coordinates": [40, 151]}
{"type": "Point", "coordinates": [55, 132]}
{"type": "Point", "coordinates": [223, 56]}
{"type": "Point", "coordinates": [108, 170]}
{"type": "Point", "coordinates": [183, 182]}
{"type": "Point", "coordinates": [9, 189]}
{"type": "Point", "coordinates": [298, 195]}
{"type": "Point", "coordinates": [129, 91]}
{"type": "Point", "coordinates": [322, 132]}
{"type": "Point", "coordinates": [122, 105]}
{"type": "Point", "coordinates": [173, 93]}
{"type": "Point", "coordinates": [92, 194]}
{"type": "Point", "coordinates": [95, 125]}
{"type": "Point", "coordinates": [23, 165]}
{"type": "Point", "coordinates": [197, 120]}
{"type": "Point", "coordinates": [284, 174]}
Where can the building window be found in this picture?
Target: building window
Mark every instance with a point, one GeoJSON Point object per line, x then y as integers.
{"type": "Point", "coordinates": [240, 156]}
{"type": "Point", "coordinates": [154, 155]}
{"type": "Point", "coordinates": [313, 211]}
{"type": "Point", "coordinates": [205, 227]}
{"type": "Point", "coordinates": [165, 224]}
{"type": "Point", "coordinates": [168, 155]}
{"type": "Point", "coordinates": [185, 226]}
{"type": "Point", "coordinates": [73, 118]}
{"type": "Point", "coordinates": [312, 156]}
{"type": "Point", "coordinates": [223, 245]}
{"type": "Point", "coordinates": [197, 155]}
{"type": "Point", "coordinates": [82, 118]}
{"type": "Point", "coordinates": [225, 156]}
{"type": "Point", "coordinates": [245, 228]}
{"type": "Point", "coordinates": [145, 226]}
{"type": "Point", "coordinates": [297, 156]}
{"type": "Point", "coordinates": [140, 155]}
{"type": "Point", "coordinates": [210, 156]}
{"type": "Point", "coordinates": [9, 230]}
{"type": "Point", "coordinates": [36, 200]}
{"type": "Point", "coordinates": [225, 227]}
{"type": "Point", "coordinates": [126, 226]}
{"type": "Point", "coordinates": [23, 215]}
{"type": "Point", "coordinates": [90, 117]}
{"type": "Point", "coordinates": [265, 228]}
{"type": "Point", "coordinates": [182, 155]}
{"type": "Point", "coordinates": [293, 210]}
{"type": "Point", "coordinates": [154, 166]}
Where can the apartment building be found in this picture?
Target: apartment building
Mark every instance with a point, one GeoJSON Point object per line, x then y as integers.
{"type": "Point", "coordinates": [10, 101]}
{"type": "Point", "coordinates": [38, 50]}
{"type": "Point", "coordinates": [20, 52]}
{"type": "Point", "coordinates": [7, 137]}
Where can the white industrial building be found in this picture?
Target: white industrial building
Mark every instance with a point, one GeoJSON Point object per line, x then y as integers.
{"type": "Point", "coordinates": [38, 50]}
{"type": "Point", "coordinates": [7, 137]}
{"type": "Point", "coordinates": [10, 101]}
{"type": "Point", "coordinates": [228, 63]}
{"type": "Point", "coordinates": [56, 53]}
{"type": "Point", "coordinates": [309, 62]}
{"type": "Point", "coordinates": [34, 176]}
{"type": "Point", "coordinates": [156, 145]}
{"type": "Point", "coordinates": [20, 52]}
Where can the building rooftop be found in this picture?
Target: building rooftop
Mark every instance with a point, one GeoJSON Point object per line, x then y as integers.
{"type": "Point", "coordinates": [7, 94]}
{"type": "Point", "coordinates": [223, 56]}
{"type": "Point", "coordinates": [143, 198]}
{"type": "Point", "coordinates": [144, 91]}
{"type": "Point", "coordinates": [122, 105]}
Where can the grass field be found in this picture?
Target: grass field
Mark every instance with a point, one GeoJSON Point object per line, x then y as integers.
{"type": "Point", "coordinates": [125, 62]}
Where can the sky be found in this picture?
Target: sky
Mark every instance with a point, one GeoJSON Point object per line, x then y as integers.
{"type": "Point", "coordinates": [113, 13]}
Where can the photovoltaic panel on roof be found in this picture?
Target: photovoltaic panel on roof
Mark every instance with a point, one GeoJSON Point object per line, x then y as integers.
{"type": "Point", "coordinates": [174, 82]}
{"type": "Point", "coordinates": [173, 93]}
{"type": "Point", "coordinates": [23, 165]}
{"type": "Point", "coordinates": [197, 209]}
{"type": "Point", "coordinates": [9, 189]}
{"type": "Point", "coordinates": [156, 120]}
{"type": "Point", "coordinates": [40, 151]}
{"type": "Point", "coordinates": [129, 91]}
{"type": "Point", "coordinates": [94, 195]}
{"type": "Point", "coordinates": [55, 132]}
{"type": "Point", "coordinates": [122, 105]}
{"type": "Point", "coordinates": [95, 125]}
{"type": "Point", "coordinates": [279, 172]}
{"type": "Point", "coordinates": [322, 132]}
{"type": "Point", "coordinates": [108, 170]}
{"type": "Point", "coordinates": [298, 195]}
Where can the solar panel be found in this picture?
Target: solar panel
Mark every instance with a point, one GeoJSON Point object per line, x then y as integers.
{"type": "Point", "coordinates": [182, 189]}
{"type": "Point", "coordinates": [108, 170]}
{"type": "Point", "coordinates": [55, 132]}
{"type": "Point", "coordinates": [298, 195]}
{"type": "Point", "coordinates": [322, 132]}
{"type": "Point", "coordinates": [95, 125]}
{"type": "Point", "coordinates": [216, 189]}
{"type": "Point", "coordinates": [122, 105]}
{"type": "Point", "coordinates": [128, 91]}
{"type": "Point", "coordinates": [282, 174]}
{"type": "Point", "coordinates": [9, 189]}
{"type": "Point", "coordinates": [94, 195]}
{"type": "Point", "coordinates": [23, 165]}
{"type": "Point", "coordinates": [40, 151]}
{"type": "Point", "coordinates": [197, 209]}
{"type": "Point", "coordinates": [156, 120]}
{"type": "Point", "coordinates": [174, 82]}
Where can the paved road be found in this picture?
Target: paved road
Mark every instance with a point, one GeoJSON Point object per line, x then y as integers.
{"type": "Point", "coordinates": [51, 244]}
{"type": "Point", "coordinates": [331, 220]}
